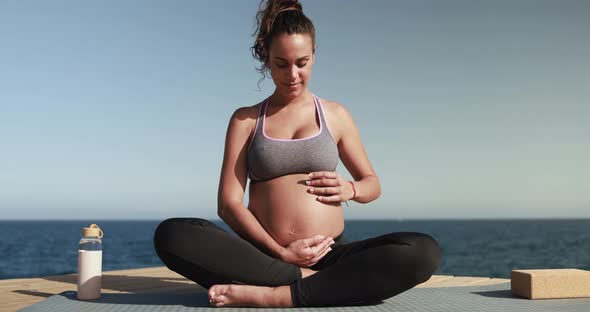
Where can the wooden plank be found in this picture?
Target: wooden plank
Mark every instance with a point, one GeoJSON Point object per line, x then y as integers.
{"type": "Point", "coordinates": [491, 281]}
{"type": "Point", "coordinates": [110, 278]}
{"type": "Point", "coordinates": [111, 283]}
{"type": "Point", "coordinates": [153, 271]}
{"type": "Point", "coordinates": [143, 271]}
{"type": "Point", "coordinates": [466, 281]}
{"type": "Point", "coordinates": [7, 284]}
{"type": "Point", "coordinates": [458, 281]}
{"type": "Point", "coordinates": [435, 279]}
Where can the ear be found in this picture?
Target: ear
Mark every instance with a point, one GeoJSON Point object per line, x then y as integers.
{"type": "Point", "coordinates": [313, 53]}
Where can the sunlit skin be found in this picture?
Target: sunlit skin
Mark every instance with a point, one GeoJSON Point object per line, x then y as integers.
{"type": "Point", "coordinates": [294, 209]}
{"type": "Point", "coordinates": [290, 62]}
{"type": "Point", "coordinates": [284, 206]}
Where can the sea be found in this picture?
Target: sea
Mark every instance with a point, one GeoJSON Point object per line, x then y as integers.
{"type": "Point", "coordinates": [486, 248]}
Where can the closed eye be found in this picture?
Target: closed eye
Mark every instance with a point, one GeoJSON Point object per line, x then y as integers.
{"type": "Point", "coordinates": [284, 66]}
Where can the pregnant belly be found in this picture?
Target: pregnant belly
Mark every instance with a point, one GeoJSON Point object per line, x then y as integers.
{"type": "Point", "coordinates": [288, 212]}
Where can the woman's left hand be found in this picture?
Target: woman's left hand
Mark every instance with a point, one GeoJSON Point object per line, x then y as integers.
{"type": "Point", "coordinates": [329, 186]}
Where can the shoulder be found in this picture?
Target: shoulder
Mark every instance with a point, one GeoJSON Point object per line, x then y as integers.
{"type": "Point", "coordinates": [337, 116]}
{"type": "Point", "coordinates": [245, 117]}
{"type": "Point", "coordinates": [246, 113]}
{"type": "Point", "coordinates": [335, 109]}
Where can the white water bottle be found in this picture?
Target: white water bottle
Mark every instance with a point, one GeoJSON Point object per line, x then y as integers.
{"type": "Point", "coordinates": [90, 263]}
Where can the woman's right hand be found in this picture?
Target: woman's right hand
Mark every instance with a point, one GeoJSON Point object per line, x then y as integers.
{"type": "Point", "coordinates": [308, 251]}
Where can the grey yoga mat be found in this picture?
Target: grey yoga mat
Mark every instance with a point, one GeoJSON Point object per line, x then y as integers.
{"type": "Point", "coordinates": [453, 299]}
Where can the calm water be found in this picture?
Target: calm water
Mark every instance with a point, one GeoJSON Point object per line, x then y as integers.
{"type": "Point", "coordinates": [474, 248]}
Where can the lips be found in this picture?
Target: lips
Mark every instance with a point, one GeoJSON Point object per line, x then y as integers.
{"type": "Point", "coordinates": [292, 85]}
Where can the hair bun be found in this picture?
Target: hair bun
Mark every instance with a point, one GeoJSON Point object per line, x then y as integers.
{"type": "Point", "coordinates": [277, 6]}
{"type": "Point", "coordinates": [289, 4]}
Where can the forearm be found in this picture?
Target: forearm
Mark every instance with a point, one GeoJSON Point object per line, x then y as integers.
{"type": "Point", "coordinates": [242, 221]}
{"type": "Point", "coordinates": [367, 189]}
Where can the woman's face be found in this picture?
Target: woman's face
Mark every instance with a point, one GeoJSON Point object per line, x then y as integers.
{"type": "Point", "coordinates": [290, 60]}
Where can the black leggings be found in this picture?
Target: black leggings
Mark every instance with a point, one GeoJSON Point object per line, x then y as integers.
{"type": "Point", "coordinates": [361, 272]}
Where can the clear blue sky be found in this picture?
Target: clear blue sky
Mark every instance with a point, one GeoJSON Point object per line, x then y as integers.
{"type": "Point", "coordinates": [467, 109]}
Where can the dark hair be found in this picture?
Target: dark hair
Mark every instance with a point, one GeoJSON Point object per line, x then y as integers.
{"type": "Point", "coordinates": [276, 18]}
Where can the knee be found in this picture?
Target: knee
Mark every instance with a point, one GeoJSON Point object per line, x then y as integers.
{"type": "Point", "coordinates": [170, 231]}
{"type": "Point", "coordinates": [164, 233]}
{"type": "Point", "coordinates": [428, 257]}
{"type": "Point", "coordinates": [420, 256]}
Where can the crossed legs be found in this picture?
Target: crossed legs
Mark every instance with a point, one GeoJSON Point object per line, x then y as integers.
{"type": "Point", "coordinates": [238, 274]}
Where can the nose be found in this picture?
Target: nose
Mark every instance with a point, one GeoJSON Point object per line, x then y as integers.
{"type": "Point", "coordinates": [293, 73]}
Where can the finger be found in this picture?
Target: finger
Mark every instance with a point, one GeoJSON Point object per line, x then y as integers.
{"type": "Point", "coordinates": [323, 174]}
{"type": "Point", "coordinates": [323, 182]}
{"type": "Point", "coordinates": [323, 190]}
{"type": "Point", "coordinates": [320, 256]}
{"type": "Point", "coordinates": [320, 247]}
{"type": "Point", "coordinates": [317, 250]}
{"type": "Point", "coordinates": [326, 247]}
{"type": "Point", "coordinates": [330, 199]}
{"type": "Point", "coordinates": [312, 241]}
{"type": "Point", "coordinates": [314, 251]}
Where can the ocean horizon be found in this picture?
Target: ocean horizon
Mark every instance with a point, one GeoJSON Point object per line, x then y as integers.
{"type": "Point", "coordinates": [471, 247]}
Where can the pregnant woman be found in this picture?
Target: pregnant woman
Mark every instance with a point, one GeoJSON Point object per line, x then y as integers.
{"type": "Point", "coordinates": [290, 250]}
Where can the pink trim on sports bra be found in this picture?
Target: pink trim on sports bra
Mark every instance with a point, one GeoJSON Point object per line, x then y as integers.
{"type": "Point", "coordinates": [316, 113]}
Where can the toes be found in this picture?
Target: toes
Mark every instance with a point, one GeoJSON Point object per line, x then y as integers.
{"type": "Point", "coordinates": [218, 295]}
{"type": "Point", "coordinates": [219, 305]}
{"type": "Point", "coordinates": [212, 292]}
{"type": "Point", "coordinates": [216, 290]}
{"type": "Point", "coordinates": [213, 296]}
{"type": "Point", "coordinates": [219, 301]}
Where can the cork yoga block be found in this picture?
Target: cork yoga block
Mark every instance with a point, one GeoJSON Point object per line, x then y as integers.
{"type": "Point", "coordinates": [550, 283]}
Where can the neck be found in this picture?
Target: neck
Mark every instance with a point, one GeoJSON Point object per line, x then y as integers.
{"type": "Point", "coordinates": [280, 100]}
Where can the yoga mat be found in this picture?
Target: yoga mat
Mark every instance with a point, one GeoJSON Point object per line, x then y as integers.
{"type": "Point", "coordinates": [491, 298]}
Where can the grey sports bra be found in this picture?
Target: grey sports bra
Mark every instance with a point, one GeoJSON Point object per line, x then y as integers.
{"type": "Point", "coordinates": [270, 158]}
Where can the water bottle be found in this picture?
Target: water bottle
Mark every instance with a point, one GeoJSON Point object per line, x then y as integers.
{"type": "Point", "coordinates": [90, 263]}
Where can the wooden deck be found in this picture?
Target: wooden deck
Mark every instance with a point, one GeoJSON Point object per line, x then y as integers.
{"type": "Point", "coordinates": [19, 293]}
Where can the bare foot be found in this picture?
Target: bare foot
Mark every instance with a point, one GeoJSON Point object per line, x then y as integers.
{"type": "Point", "coordinates": [250, 296]}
